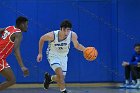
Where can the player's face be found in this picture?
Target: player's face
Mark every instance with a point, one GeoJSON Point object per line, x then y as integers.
{"type": "Point", "coordinates": [66, 31]}
{"type": "Point", "coordinates": [137, 49]}
{"type": "Point", "coordinates": [24, 26]}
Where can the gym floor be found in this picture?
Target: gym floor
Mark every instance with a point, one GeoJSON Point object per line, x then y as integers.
{"type": "Point", "coordinates": [72, 88]}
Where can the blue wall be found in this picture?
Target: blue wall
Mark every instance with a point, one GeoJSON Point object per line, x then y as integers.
{"type": "Point", "coordinates": [128, 23]}
{"type": "Point", "coordinates": [95, 22]}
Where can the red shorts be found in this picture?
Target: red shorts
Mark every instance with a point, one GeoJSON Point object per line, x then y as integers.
{"type": "Point", "coordinates": [3, 64]}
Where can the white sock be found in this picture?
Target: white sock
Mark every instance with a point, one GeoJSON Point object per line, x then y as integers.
{"type": "Point", "coordinates": [51, 78]}
{"type": "Point", "coordinates": [63, 89]}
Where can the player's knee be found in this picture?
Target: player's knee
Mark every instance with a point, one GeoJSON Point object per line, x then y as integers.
{"type": "Point", "coordinates": [11, 80]}
{"type": "Point", "coordinates": [60, 75]}
{"type": "Point", "coordinates": [61, 78]}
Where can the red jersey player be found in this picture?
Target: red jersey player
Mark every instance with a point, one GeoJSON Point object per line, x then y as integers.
{"type": "Point", "coordinates": [10, 39]}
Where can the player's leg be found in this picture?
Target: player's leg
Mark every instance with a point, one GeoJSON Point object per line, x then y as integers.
{"type": "Point", "coordinates": [133, 76]}
{"type": "Point", "coordinates": [59, 78]}
{"type": "Point", "coordinates": [127, 74]}
{"type": "Point", "coordinates": [138, 81]}
{"type": "Point", "coordinates": [135, 71]}
{"type": "Point", "coordinates": [54, 62]}
{"type": "Point", "coordinates": [63, 63]}
{"type": "Point", "coordinates": [10, 78]}
{"type": "Point", "coordinates": [138, 77]}
{"type": "Point", "coordinates": [47, 76]}
{"type": "Point", "coordinates": [60, 70]}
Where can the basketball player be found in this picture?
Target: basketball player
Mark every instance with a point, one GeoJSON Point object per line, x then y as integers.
{"type": "Point", "coordinates": [10, 39]}
{"type": "Point", "coordinates": [128, 73]}
{"type": "Point", "coordinates": [59, 44]}
{"type": "Point", "coordinates": [135, 65]}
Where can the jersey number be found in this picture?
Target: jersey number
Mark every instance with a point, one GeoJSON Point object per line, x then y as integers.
{"type": "Point", "coordinates": [6, 33]}
{"type": "Point", "coordinates": [60, 48]}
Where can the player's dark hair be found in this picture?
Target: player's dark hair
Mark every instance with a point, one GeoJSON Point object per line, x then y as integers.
{"type": "Point", "coordinates": [137, 44]}
{"type": "Point", "coordinates": [21, 20]}
{"type": "Point", "coordinates": [66, 24]}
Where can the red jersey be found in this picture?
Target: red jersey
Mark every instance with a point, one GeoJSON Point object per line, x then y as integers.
{"type": "Point", "coordinates": [6, 45]}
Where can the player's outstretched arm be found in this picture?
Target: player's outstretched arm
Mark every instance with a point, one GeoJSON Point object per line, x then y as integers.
{"type": "Point", "coordinates": [76, 44]}
{"type": "Point", "coordinates": [47, 37]}
{"type": "Point", "coordinates": [18, 37]}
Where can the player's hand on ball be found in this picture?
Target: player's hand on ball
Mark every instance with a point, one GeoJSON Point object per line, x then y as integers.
{"type": "Point", "coordinates": [39, 57]}
{"type": "Point", "coordinates": [125, 63]}
{"type": "Point", "coordinates": [25, 71]}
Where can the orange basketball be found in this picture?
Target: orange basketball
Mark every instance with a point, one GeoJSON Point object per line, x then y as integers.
{"type": "Point", "coordinates": [90, 53]}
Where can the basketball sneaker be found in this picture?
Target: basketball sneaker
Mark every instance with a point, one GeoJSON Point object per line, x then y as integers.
{"type": "Point", "coordinates": [64, 91]}
{"type": "Point", "coordinates": [47, 80]}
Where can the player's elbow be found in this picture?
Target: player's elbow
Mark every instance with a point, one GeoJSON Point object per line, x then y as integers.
{"type": "Point", "coordinates": [42, 39]}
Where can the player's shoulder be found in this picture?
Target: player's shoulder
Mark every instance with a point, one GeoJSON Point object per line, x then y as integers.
{"type": "Point", "coordinates": [17, 34]}
{"type": "Point", "coordinates": [12, 28]}
{"type": "Point", "coordinates": [73, 33]}
{"type": "Point", "coordinates": [9, 27]}
{"type": "Point", "coordinates": [55, 31]}
{"type": "Point", "coordinates": [49, 36]}
{"type": "Point", "coordinates": [52, 33]}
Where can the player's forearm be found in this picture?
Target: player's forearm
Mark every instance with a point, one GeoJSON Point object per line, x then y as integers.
{"type": "Point", "coordinates": [41, 44]}
{"type": "Point", "coordinates": [80, 47]}
{"type": "Point", "coordinates": [18, 57]}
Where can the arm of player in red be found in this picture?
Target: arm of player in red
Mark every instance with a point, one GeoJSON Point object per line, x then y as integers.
{"type": "Point", "coordinates": [17, 41]}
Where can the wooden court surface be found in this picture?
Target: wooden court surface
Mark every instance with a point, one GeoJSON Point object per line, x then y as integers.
{"type": "Point", "coordinates": [72, 88]}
